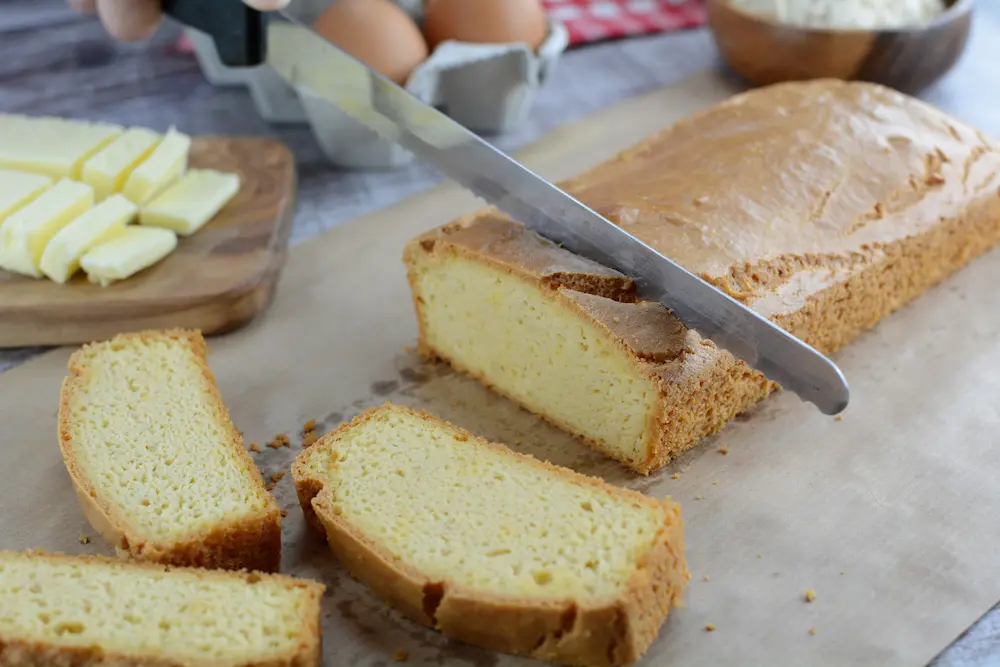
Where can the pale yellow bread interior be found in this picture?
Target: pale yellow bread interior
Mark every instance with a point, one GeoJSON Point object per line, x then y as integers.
{"type": "Point", "coordinates": [157, 461]}
{"type": "Point", "coordinates": [626, 377]}
{"type": "Point", "coordinates": [472, 520]}
{"type": "Point", "coordinates": [57, 608]}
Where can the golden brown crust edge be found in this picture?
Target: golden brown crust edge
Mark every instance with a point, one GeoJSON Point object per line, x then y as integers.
{"type": "Point", "coordinates": [40, 654]}
{"type": "Point", "coordinates": [253, 543]}
{"type": "Point", "coordinates": [673, 430]}
{"type": "Point", "coordinates": [617, 632]}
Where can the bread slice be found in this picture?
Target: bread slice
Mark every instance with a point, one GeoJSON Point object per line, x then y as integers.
{"type": "Point", "coordinates": [90, 611]}
{"type": "Point", "coordinates": [565, 338]}
{"type": "Point", "coordinates": [823, 205]}
{"type": "Point", "coordinates": [492, 547]}
{"type": "Point", "coordinates": [158, 466]}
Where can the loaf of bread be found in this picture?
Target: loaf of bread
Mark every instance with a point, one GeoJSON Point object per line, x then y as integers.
{"type": "Point", "coordinates": [492, 547]}
{"type": "Point", "coordinates": [91, 611]}
{"type": "Point", "coordinates": [822, 205]}
{"type": "Point", "coordinates": [160, 470]}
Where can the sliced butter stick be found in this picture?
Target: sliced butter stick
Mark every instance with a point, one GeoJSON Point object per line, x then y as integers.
{"type": "Point", "coordinates": [27, 231]}
{"type": "Point", "coordinates": [156, 173]}
{"type": "Point", "coordinates": [18, 188]}
{"type": "Point", "coordinates": [107, 170]}
{"type": "Point", "coordinates": [103, 222]}
{"type": "Point", "coordinates": [192, 201]}
{"type": "Point", "coordinates": [131, 250]}
{"type": "Point", "coordinates": [57, 147]}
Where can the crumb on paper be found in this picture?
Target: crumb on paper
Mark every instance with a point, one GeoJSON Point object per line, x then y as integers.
{"type": "Point", "coordinates": [270, 487]}
{"type": "Point", "coordinates": [760, 555]}
{"type": "Point", "coordinates": [255, 448]}
{"type": "Point", "coordinates": [810, 595]}
{"type": "Point", "coordinates": [309, 426]}
{"type": "Point", "coordinates": [400, 655]}
{"type": "Point", "coordinates": [699, 497]}
{"type": "Point", "coordinates": [676, 475]}
{"type": "Point", "coordinates": [706, 577]}
{"type": "Point", "coordinates": [723, 450]}
{"type": "Point", "coordinates": [284, 513]}
{"type": "Point", "coordinates": [276, 477]}
{"type": "Point", "coordinates": [715, 481]}
{"type": "Point", "coordinates": [84, 539]}
{"type": "Point", "coordinates": [710, 627]}
{"type": "Point", "coordinates": [812, 630]}
{"type": "Point", "coordinates": [309, 439]}
{"type": "Point", "coordinates": [839, 418]}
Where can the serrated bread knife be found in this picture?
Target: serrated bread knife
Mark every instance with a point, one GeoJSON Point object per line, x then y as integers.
{"type": "Point", "coordinates": [245, 37]}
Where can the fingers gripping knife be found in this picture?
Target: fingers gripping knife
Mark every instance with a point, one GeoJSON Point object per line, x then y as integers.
{"type": "Point", "coordinates": [245, 37]}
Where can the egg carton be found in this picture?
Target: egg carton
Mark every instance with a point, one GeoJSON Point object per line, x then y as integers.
{"type": "Point", "coordinates": [488, 88]}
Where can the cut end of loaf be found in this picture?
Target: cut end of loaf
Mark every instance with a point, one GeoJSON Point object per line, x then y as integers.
{"type": "Point", "coordinates": [60, 609]}
{"type": "Point", "coordinates": [502, 550]}
{"type": "Point", "coordinates": [625, 377]}
{"type": "Point", "coordinates": [158, 466]}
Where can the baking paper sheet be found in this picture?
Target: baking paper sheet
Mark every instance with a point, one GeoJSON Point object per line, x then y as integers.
{"type": "Point", "coordinates": [889, 514]}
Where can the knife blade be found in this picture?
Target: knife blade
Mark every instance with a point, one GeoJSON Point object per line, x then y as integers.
{"type": "Point", "coordinates": [308, 61]}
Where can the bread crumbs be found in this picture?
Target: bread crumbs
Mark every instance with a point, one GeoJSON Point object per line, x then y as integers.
{"type": "Point", "coordinates": [309, 426]}
{"type": "Point", "coordinates": [710, 627]}
{"type": "Point", "coordinates": [400, 655]}
{"type": "Point", "coordinates": [270, 487]}
{"type": "Point", "coordinates": [723, 450]}
{"type": "Point", "coordinates": [276, 477]}
{"type": "Point", "coordinates": [810, 595]}
{"type": "Point", "coordinates": [255, 448]}
{"type": "Point", "coordinates": [839, 418]}
{"type": "Point", "coordinates": [812, 630]}
{"type": "Point", "coordinates": [284, 513]}
{"type": "Point", "coordinates": [676, 475]}
{"type": "Point", "coordinates": [84, 539]}
{"type": "Point", "coordinates": [699, 497]}
{"type": "Point", "coordinates": [309, 439]}
{"type": "Point", "coordinates": [706, 577]}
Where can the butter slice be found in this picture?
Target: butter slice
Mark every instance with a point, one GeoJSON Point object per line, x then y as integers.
{"type": "Point", "coordinates": [103, 222]}
{"type": "Point", "coordinates": [27, 231]}
{"type": "Point", "coordinates": [57, 147]}
{"type": "Point", "coordinates": [192, 201]}
{"type": "Point", "coordinates": [107, 170]}
{"type": "Point", "coordinates": [131, 250]}
{"type": "Point", "coordinates": [17, 188]}
{"type": "Point", "coordinates": [165, 164]}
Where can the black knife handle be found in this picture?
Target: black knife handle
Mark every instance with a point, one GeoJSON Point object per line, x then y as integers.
{"type": "Point", "coordinates": [237, 29]}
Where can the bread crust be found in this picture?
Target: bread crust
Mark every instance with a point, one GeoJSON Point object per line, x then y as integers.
{"type": "Point", "coordinates": [588, 633]}
{"type": "Point", "coordinates": [683, 368]}
{"type": "Point", "coordinates": [19, 652]}
{"type": "Point", "coordinates": [251, 543]}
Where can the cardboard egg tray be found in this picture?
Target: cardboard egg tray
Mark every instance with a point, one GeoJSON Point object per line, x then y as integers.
{"type": "Point", "coordinates": [489, 88]}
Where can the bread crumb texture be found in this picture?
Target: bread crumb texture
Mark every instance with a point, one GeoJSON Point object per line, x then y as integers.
{"type": "Point", "coordinates": [822, 205]}
{"type": "Point", "coordinates": [66, 610]}
{"type": "Point", "coordinates": [158, 465]}
{"type": "Point", "coordinates": [810, 595]}
{"type": "Point", "coordinates": [501, 550]}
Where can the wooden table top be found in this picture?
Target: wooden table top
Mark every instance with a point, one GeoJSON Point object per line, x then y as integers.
{"type": "Point", "coordinates": [55, 62]}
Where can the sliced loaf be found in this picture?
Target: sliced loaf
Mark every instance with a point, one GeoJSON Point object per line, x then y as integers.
{"type": "Point", "coordinates": [158, 466]}
{"type": "Point", "coordinates": [823, 205]}
{"type": "Point", "coordinates": [64, 610]}
{"type": "Point", "coordinates": [492, 547]}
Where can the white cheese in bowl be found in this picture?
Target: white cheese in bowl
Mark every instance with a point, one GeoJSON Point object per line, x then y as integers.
{"type": "Point", "coordinates": [846, 14]}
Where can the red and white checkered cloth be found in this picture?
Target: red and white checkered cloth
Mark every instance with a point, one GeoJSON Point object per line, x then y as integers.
{"type": "Point", "coordinates": [595, 20]}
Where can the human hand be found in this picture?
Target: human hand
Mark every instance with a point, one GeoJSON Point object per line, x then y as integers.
{"type": "Point", "coordinates": [134, 20]}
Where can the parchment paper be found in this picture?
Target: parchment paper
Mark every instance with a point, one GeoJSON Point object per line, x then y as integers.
{"type": "Point", "coordinates": [890, 515]}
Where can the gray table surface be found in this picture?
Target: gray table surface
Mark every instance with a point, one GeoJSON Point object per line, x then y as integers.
{"type": "Point", "coordinates": [55, 62]}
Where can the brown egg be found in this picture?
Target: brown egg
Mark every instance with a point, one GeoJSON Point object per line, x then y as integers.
{"type": "Point", "coordinates": [486, 21]}
{"type": "Point", "coordinates": [376, 32]}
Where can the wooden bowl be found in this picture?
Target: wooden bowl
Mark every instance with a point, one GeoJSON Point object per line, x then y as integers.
{"type": "Point", "coordinates": [765, 51]}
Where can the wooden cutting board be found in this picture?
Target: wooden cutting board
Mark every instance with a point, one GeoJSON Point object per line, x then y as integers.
{"type": "Point", "coordinates": [889, 514]}
{"type": "Point", "coordinates": [217, 280]}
